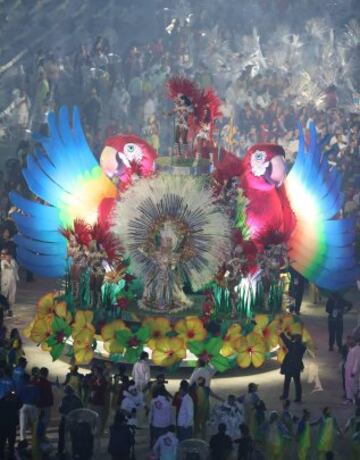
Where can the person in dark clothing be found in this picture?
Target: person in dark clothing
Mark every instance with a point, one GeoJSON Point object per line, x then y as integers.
{"type": "Point", "coordinates": [82, 440]}
{"type": "Point", "coordinates": [9, 418]}
{"type": "Point", "coordinates": [292, 365]}
{"type": "Point", "coordinates": [121, 439]}
{"type": "Point", "coordinates": [69, 403]}
{"type": "Point", "coordinates": [296, 289]}
{"type": "Point", "coordinates": [246, 444]}
{"type": "Point", "coordinates": [336, 306]}
{"type": "Point", "coordinates": [220, 444]}
{"type": "Point", "coordinates": [46, 398]}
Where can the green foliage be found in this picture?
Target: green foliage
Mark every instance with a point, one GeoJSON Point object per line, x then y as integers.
{"type": "Point", "coordinates": [240, 217]}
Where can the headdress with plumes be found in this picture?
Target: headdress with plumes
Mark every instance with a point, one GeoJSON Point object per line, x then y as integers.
{"type": "Point", "coordinates": [177, 86]}
{"type": "Point", "coordinates": [208, 99]}
{"type": "Point", "coordinates": [83, 234]}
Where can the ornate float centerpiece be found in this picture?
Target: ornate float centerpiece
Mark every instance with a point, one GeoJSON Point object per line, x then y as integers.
{"type": "Point", "coordinates": [185, 255]}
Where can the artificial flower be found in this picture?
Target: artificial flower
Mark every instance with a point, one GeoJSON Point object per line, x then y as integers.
{"type": "Point", "coordinates": [267, 330]}
{"type": "Point", "coordinates": [41, 329]}
{"type": "Point", "coordinates": [191, 328]}
{"type": "Point", "coordinates": [48, 305]}
{"type": "Point", "coordinates": [60, 331]}
{"type": "Point", "coordinates": [123, 303]}
{"type": "Point", "coordinates": [133, 342]}
{"type": "Point", "coordinates": [281, 352]}
{"type": "Point", "coordinates": [251, 350]}
{"type": "Point", "coordinates": [83, 321]}
{"type": "Point", "coordinates": [108, 334]}
{"type": "Point", "coordinates": [307, 340]}
{"type": "Point", "coordinates": [159, 327]}
{"type": "Point", "coordinates": [232, 334]}
{"type": "Point", "coordinates": [168, 351]}
{"type": "Point", "coordinates": [83, 347]}
{"type": "Point", "coordinates": [210, 352]}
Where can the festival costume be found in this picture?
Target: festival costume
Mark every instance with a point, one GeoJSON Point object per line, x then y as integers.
{"type": "Point", "coordinates": [304, 440]}
{"type": "Point", "coordinates": [183, 93]}
{"type": "Point", "coordinates": [327, 430]}
{"type": "Point", "coordinates": [201, 409]}
{"type": "Point", "coordinates": [275, 435]}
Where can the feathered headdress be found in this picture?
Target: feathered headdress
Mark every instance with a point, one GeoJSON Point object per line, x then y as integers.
{"type": "Point", "coordinates": [177, 85]}
{"type": "Point", "coordinates": [80, 231]}
{"type": "Point", "coordinates": [106, 240]}
{"type": "Point", "coordinates": [207, 99]}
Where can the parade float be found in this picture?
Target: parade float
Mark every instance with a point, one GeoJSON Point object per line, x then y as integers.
{"type": "Point", "coordinates": [185, 256]}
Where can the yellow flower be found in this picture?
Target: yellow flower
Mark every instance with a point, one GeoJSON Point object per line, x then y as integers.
{"type": "Point", "coordinates": [41, 329]}
{"type": "Point", "coordinates": [168, 351]}
{"type": "Point", "coordinates": [27, 329]}
{"type": "Point", "coordinates": [307, 339]}
{"type": "Point", "coordinates": [281, 352]}
{"type": "Point", "coordinates": [47, 305]}
{"type": "Point", "coordinates": [232, 334]}
{"type": "Point", "coordinates": [159, 327]}
{"type": "Point", "coordinates": [83, 350]}
{"type": "Point", "coordinates": [108, 334]}
{"type": "Point", "coordinates": [267, 330]}
{"type": "Point", "coordinates": [83, 321]}
{"type": "Point", "coordinates": [251, 350]}
{"type": "Point", "coordinates": [191, 328]}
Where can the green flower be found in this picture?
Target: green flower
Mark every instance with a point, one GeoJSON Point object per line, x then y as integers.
{"type": "Point", "coordinates": [60, 331]}
{"type": "Point", "coordinates": [209, 352]}
{"type": "Point", "coordinates": [133, 342]}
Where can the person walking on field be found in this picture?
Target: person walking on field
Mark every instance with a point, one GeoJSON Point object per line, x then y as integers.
{"type": "Point", "coordinates": [352, 371]}
{"type": "Point", "coordinates": [336, 306]}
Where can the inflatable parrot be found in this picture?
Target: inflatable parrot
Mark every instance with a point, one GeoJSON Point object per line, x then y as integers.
{"type": "Point", "coordinates": [298, 209]}
{"type": "Point", "coordinates": [70, 185]}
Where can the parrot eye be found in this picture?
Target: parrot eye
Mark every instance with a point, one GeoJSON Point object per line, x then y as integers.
{"type": "Point", "coordinates": [133, 152]}
{"type": "Point", "coordinates": [129, 148]}
{"type": "Point", "coordinates": [259, 156]}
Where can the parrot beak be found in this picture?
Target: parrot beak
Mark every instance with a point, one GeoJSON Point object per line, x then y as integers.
{"type": "Point", "coordinates": [276, 172]}
{"type": "Point", "coordinates": [113, 162]}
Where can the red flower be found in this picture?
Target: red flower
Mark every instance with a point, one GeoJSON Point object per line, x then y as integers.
{"type": "Point", "coordinates": [205, 357]}
{"type": "Point", "coordinates": [123, 303]}
{"type": "Point", "coordinates": [133, 342]}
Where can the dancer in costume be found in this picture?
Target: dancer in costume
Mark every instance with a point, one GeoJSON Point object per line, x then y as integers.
{"type": "Point", "coordinates": [202, 394]}
{"type": "Point", "coordinates": [276, 433]}
{"type": "Point", "coordinates": [207, 111]}
{"type": "Point", "coordinates": [304, 436]}
{"type": "Point", "coordinates": [328, 428]}
{"type": "Point", "coordinates": [183, 93]}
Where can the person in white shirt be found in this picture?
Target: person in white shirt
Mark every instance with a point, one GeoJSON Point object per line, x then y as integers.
{"type": "Point", "coordinates": [166, 446]}
{"type": "Point", "coordinates": [141, 372]}
{"type": "Point", "coordinates": [232, 414]}
{"type": "Point", "coordinates": [352, 371]}
{"type": "Point", "coordinates": [132, 402]}
{"type": "Point", "coordinates": [160, 415]}
{"type": "Point", "coordinates": [204, 371]}
{"type": "Point", "coordinates": [9, 277]}
{"type": "Point", "coordinates": [185, 417]}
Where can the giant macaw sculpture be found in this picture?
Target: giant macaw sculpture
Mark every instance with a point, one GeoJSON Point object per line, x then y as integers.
{"type": "Point", "coordinates": [300, 209]}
